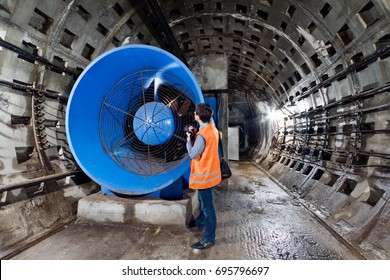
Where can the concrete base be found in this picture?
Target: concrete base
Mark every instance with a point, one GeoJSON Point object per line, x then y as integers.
{"type": "Point", "coordinates": [146, 210]}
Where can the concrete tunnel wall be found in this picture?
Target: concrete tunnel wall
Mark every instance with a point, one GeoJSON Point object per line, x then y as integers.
{"type": "Point", "coordinates": [322, 65]}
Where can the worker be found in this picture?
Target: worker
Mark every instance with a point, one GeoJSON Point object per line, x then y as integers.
{"type": "Point", "coordinates": [205, 173]}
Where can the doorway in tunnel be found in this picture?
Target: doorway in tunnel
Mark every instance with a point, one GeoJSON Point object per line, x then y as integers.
{"type": "Point", "coordinates": [254, 126]}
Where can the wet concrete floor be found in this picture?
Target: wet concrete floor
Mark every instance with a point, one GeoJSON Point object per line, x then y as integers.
{"type": "Point", "coordinates": [256, 220]}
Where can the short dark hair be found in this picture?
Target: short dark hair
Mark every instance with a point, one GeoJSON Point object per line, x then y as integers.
{"type": "Point", "coordinates": [204, 112]}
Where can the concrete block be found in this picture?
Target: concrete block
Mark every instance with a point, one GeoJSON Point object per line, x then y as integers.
{"type": "Point", "coordinates": [102, 208]}
{"type": "Point", "coordinates": [97, 208]}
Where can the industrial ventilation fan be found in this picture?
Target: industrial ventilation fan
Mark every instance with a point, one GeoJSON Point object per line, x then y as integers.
{"type": "Point", "coordinates": [126, 116]}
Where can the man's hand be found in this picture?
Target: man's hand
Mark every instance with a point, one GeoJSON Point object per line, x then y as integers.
{"type": "Point", "coordinates": [190, 133]}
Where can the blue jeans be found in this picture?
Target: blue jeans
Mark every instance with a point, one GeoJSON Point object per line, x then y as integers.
{"type": "Point", "coordinates": [207, 218]}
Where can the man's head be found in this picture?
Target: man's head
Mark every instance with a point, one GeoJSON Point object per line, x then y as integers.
{"type": "Point", "coordinates": [204, 112]}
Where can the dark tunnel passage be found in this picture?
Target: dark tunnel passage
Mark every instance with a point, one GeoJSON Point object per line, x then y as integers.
{"type": "Point", "coordinates": [306, 84]}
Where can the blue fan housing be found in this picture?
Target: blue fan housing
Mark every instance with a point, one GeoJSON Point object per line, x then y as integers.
{"type": "Point", "coordinates": [122, 129]}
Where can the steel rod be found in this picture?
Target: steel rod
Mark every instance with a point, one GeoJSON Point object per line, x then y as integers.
{"type": "Point", "coordinates": [35, 181]}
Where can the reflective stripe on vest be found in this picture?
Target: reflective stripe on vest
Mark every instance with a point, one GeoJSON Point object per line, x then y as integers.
{"type": "Point", "coordinates": [205, 178]}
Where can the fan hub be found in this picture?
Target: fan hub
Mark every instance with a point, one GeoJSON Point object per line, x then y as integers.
{"type": "Point", "coordinates": [154, 123]}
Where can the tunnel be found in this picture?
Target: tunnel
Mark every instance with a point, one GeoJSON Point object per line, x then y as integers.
{"type": "Point", "coordinates": [300, 91]}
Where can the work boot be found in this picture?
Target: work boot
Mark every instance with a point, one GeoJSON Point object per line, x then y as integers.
{"type": "Point", "coordinates": [203, 244]}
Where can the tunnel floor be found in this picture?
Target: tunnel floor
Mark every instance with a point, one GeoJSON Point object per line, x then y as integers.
{"type": "Point", "coordinates": [257, 219]}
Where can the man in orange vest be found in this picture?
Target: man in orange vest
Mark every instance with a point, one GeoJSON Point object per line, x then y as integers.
{"type": "Point", "coordinates": [205, 173]}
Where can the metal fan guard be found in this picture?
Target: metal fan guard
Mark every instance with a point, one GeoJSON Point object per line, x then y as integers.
{"type": "Point", "coordinates": [141, 122]}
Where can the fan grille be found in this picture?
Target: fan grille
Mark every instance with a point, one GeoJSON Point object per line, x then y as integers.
{"type": "Point", "coordinates": [141, 122]}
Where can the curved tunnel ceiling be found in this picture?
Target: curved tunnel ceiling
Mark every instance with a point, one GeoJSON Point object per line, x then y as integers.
{"type": "Point", "coordinates": [324, 65]}
{"type": "Point", "coordinates": [277, 49]}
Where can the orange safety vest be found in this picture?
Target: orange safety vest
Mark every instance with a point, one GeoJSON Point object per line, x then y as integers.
{"type": "Point", "coordinates": [205, 169]}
